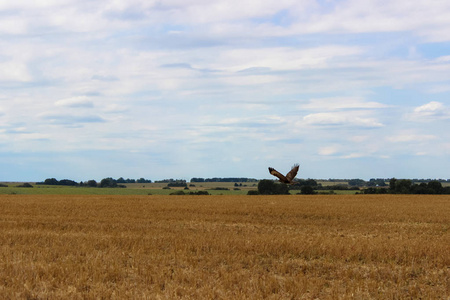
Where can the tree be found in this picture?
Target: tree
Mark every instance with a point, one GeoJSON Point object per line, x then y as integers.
{"type": "Point", "coordinates": [376, 182]}
{"type": "Point", "coordinates": [108, 182]}
{"type": "Point", "coordinates": [269, 187]}
{"type": "Point", "coordinates": [68, 182]}
{"type": "Point", "coordinates": [307, 190]}
{"type": "Point", "coordinates": [92, 183]}
{"type": "Point", "coordinates": [374, 190]}
{"type": "Point", "coordinates": [51, 181]}
{"type": "Point", "coordinates": [392, 184]}
{"type": "Point", "coordinates": [401, 186]}
{"type": "Point", "coordinates": [435, 186]}
{"type": "Point", "coordinates": [356, 182]}
{"type": "Point", "coordinates": [177, 184]}
{"type": "Point", "coordinates": [25, 185]}
{"type": "Point", "coordinates": [302, 182]}
{"type": "Point", "coordinates": [197, 179]}
{"type": "Point", "coordinates": [252, 192]}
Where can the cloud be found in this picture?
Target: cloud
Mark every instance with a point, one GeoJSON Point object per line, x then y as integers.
{"type": "Point", "coordinates": [177, 66]}
{"type": "Point", "coordinates": [431, 107]}
{"type": "Point", "coordinates": [261, 120]}
{"type": "Point", "coordinates": [233, 17]}
{"type": "Point", "coordinates": [339, 103]}
{"type": "Point", "coordinates": [378, 16]}
{"type": "Point", "coordinates": [14, 71]}
{"type": "Point", "coordinates": [329, 150]}
{"type": "Point", "coordinates": [115, 108]}
{"type": "Point", "coordinates": [256, 70]}
{"type": "Point", "coordinates": [430, 111]}
{"type": "Point", "coordinates": [279, 58]}
{"type": "Point", "coordinates": [80, 101]}
{"type": "Point", "coordinates": [352, 118]}
{"type": "Point", "coordinates": [354, 155]}
{"type": "Point", "coordinates": [403, 138]}
{"type": "Point", "coordinates": [104, 77]}
{"type": "Point", "coordinates": [71, 120]}
{"type": "Point", "coordinates": [33, 136]}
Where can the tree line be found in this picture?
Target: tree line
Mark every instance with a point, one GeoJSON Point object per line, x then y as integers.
{"type": "Point", "coordinates": [306, 186]}
{"type": "Point", "coordinates": [406, 186]}
{"type": "Point", "coordinates": [105, 182]}
{"type": "Point", "coordinates": [396, 186]}
{"type": "Point", "coordinates": [224, 179]}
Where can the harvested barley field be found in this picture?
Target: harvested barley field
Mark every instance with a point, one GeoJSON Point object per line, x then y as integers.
{"type": "Point", "coordinates": [224, 247]}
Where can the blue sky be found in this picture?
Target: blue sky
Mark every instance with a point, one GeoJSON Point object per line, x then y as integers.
{"type": "Point", "coordinates": [196, 88]}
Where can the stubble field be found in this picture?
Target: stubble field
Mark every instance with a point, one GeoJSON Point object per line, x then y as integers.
{"type": "Point", "coordinates": [224, 247]}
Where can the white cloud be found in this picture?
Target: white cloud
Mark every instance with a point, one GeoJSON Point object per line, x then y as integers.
{"type": "Point", "coordinates": [431, 107]}
{"type": "Point", "coordinates": [14, 71]}
{"type": "Point", "coordinates": [359, 138]}
{"type": "Point", "coordinates": [200, 12]}
{"type": "Point", "coordinates": [430, 111]}
{"type": "Point", "coordinates": [439, 89]}
{"type": "Point", "coordinates": [402, 138]}
{"type": "Point", "coordinates": [71, 119]}
{"type": "Point", "coordinates": [337, 103]}
{"type": "Point", "coordinates": [354, 155]}
{"type": "Point", "coordinates": [329, 150]}
{"type": "Point", "coordinates": [280, 58]}
{"type": "Point", "coordinates": [79, 101]}
{"type": "Point", "coordinates": [380, 16]}
{"type": "Point", "coordinates": [352, 118]}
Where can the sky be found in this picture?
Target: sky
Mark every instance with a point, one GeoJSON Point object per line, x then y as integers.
{"type": "Point", "coordinates": [224, 88]}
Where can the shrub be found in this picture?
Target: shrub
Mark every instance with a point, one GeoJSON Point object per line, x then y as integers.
{"type": "Point", "coordinates": [199, 193]}
{"type": "Point", "coordinates": [180, 192]}
{"type": "Point", "coordinates": [177, 184]}
{"type": "Point", "coordinates": [92, 183]}
{"type": "Point", "coordinates": [269, 187]}
{"type": "Point", "coordinates": [108, 182]}
{"type": "Point", "coordinates": [307, 190]}
{"type": "Point", "coordinates": [177, 193]}
{"type": "Point", "coordinates": [25, 185]}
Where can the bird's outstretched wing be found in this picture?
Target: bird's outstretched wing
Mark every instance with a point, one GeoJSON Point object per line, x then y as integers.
{"type": "Point", "coordinates": [292, 173]}
{"type": "Point", "coordinates": [278, 174]}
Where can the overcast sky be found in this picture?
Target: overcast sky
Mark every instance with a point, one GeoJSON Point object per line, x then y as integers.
{"type": "Point", "coordinates": [224, 88]}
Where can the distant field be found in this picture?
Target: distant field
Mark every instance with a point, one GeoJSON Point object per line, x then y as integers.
{"type": "Point", "coordinates": [131, 189]}
{"type": "Point", "coordinates": [214, 188]}
{"type": "Point", "coordinates": [224, 247]}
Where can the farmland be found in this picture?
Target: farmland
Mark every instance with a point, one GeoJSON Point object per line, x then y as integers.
{"type": "Point", "coordinates": [213, 188]}
{"type": "Point", "coordinates": [224, 247]}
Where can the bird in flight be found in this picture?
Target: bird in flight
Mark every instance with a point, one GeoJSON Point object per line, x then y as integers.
{"type": "Point", "coordinates": [289, 176]}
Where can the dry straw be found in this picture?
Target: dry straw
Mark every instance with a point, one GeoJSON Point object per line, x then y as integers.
{"type": "Point", "coordinates": [224, 247]}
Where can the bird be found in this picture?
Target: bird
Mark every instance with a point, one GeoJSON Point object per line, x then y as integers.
{"type": "Point", "coordinates": [289, 176]}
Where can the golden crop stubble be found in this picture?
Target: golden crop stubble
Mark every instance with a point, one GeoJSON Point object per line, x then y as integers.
{"type": "Point", "coordinates": [224, 246]}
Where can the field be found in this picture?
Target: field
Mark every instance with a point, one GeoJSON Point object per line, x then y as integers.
{"type": "Point", "coordinates": [213, 188]}
{"type": "Point", "coordinates": [224, 247]}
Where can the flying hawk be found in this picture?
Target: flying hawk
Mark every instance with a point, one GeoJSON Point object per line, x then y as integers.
{"type": "Point", "coordinates": [289, 176]}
